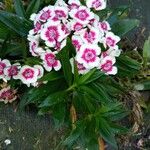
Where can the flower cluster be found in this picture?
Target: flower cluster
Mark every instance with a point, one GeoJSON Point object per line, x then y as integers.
{"type": "Point", "coordinates": [7, 95]}
{"type": "Point", "coordinates": [95, 44]}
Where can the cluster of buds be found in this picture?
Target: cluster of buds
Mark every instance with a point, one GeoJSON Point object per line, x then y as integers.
{"type": "Point", "coordinates": [95, 44]}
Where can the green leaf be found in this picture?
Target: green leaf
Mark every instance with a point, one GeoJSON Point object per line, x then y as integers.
{"type": "Point", "coordinates": [75, 133]}
{"type": "Point", "coordinates": [3, 31]}
{"type": "Point", "coordinates": [33, 7]}
{"type": "Point", "coordinates": [35, 95]}
{"type": "Point", "coordinates": [106, 132]}
{"type": "Point", "coordinates": [59, 112]}
{"type": "Point", "coordinates": [101, 91]}
{"type": "Point", "coordinates": [19, 8]}
{"type": "Point", "coordinates": [91, 76]}
{"type": "Point", "coordinates": [65, 61]}
{"type": "Point", "coordinates": [15, 23]}
{"type": "Point", "coordinates": [146, 50]}
{"type": "Point", "coordinates": [143, 85]}
{"type": "Point", "coordinates": [123, 26]}
{"type": "Point", "coordinates": [52, 76]}
{"type": "Point", "coordinates": [127, 66]}
{"type": "Point", "coordinates": [53, 99]}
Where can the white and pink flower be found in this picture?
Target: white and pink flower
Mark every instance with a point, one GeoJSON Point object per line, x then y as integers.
{"type": "Point", "coordinates": [40, 71]}
{"type": "Point", "coordinates": [88, 55]}
{"type": "Point", "coordinates": [76, 26]}
{"type": "Point", "coordinates": [107, 65]}
{"type": "Point", "coordinates": [96, 4]}
{"type": "Point", "coordinates": [74, 4]}
{"type": "Point", "coordinates": [12, 71]}
{"type": "Point", "coordinates": [3, 64]}
{"type": "Point", "coordinates": [7, 95]}
{"type": "Point", "coordinates": [46, 13]}
{"type": "Point", "coordinates": [34, 49]}
{"type": "Point", "coordinates": [77, 41]}
{"type": "Point", "coordinates": [28, 75]}
{"type": "Point", "coordinates": [80, 67]}
{"type": "Point", "coordinates": [52, 33]}
{"type": "Point", "coordinates": [82, 15]}
{"type": "Point", "coordinates": [104, 26]}
{"type": "Point", "coordinates": [50, 61]}
{"type": "Point", "coordinates": [111, 39]}
{"type": "Point", "coordinates": [60, 13]}
{"type": "Point", "coordinates": [91, 36]}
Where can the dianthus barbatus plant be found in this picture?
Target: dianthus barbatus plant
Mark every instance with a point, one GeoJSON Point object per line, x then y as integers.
{"type": "Point", "coordinates": [73, 54]}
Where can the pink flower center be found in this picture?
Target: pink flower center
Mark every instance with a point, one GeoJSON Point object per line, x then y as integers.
{"type": "Point", "coordinates": [2, 66]}
{"type": "Point", "coordinates": [59, 14]}
{"type": "Point", "coordinates": [80, 67]}
{"type": "Point", "coordinates": [45, 15]}
{"type": "Point", "coordinates": [52, 33]}
{"type": "Point", "coordinates": [76, 44]}
{"type": "Point", "coordinates": [96, 4]}
{"type": "Point", "coordinates": [107, 66]}
{"type": "Point", "coordinates": [28, 73]}
{"type": "Point", "coordinates": [73, 6]}
{"type": "Point", "coordinates": [7, 95]}
{"type": "Point", "coordinates": [51, 60]}
{"type": "Point", "coordinates": [82, 15]}
{"type": "Point", "coordinates": [77, 26]}
{"type": "Point", "coordinates": [13, 71]}
{"type": "Point", "coordinates": [89, 55]}
{"type": "Point", "coordinates": [110, 41]}
{"type": "Point", "coordinates": [37, 27]}
{"type": "Point", "coordinates": [90, 37]}
{"type": "Point", "coordinates": [104, 26]}
{"type": "Point", "coordinates": [104, 54]}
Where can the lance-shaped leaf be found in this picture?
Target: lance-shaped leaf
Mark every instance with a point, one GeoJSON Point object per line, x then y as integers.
{"type": "Point", "coordinates": [15, 23]}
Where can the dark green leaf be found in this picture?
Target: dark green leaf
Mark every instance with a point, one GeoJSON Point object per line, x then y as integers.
{"type": "Point", "coordinates": [59, 112]}
{"type": "Point", "coordinates": [33, 7]}
{"type": "Point", "coordinates": [123, 26]}
{"type": "Point", "coordinates": [65, 61]}
{"type": "Point", "coordinates": [51, 76]}
{"type": "Point", "coordinates": [143, 86]}
{"type": "Point", "coordinates": [146, 50]}
{"type": "Point", "coordinates": [19, 8]}
{"type": "Point", "coordinates": [53, 99]}
{"type": "Point", "coordinates": [17, 24]}
{"type": "Point", "coordinates": [106, 132]}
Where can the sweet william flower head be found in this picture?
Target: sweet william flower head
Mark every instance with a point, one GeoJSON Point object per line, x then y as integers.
{"type": "Point", "coordinates": [74, 4]}
{"type": "Point", "coordinates": [91, 36]}
{"type": "Point", "coordinates": [12, 71]}
{"type": "Point", "coordinates": [88, 55]}
{"type": "Point", "coordinates": [111, 39]}
{"type": "Point", "coordinates": [40, 70]}
{"type": "Point", "coordinates": [46, 13]}
{"type": "Point", "coordinates": [77, 41]}
{"type": "Point", "coordinates": [106, 65]}
{"type": "Point", "coordinates": [50, 61]}
{"type": "Point", "coordinates": [7, 95]}
{"type": "Point", "coordinates": [82, 15]}
{"type": "Point", "coordinates": [96, 4]}
{"type": "Point", "coordinates": [60, 13]}
{"type": "Point", "coordinates": [52, 33]}
{"type": "Point", "coordinates": [28, 75]}
{"type": "Point", "coordinates": [80, 67]}
{"type": "Point", "coordinates": [3, 64]}
{"type": "Point", "coordinates": [104, 26]}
